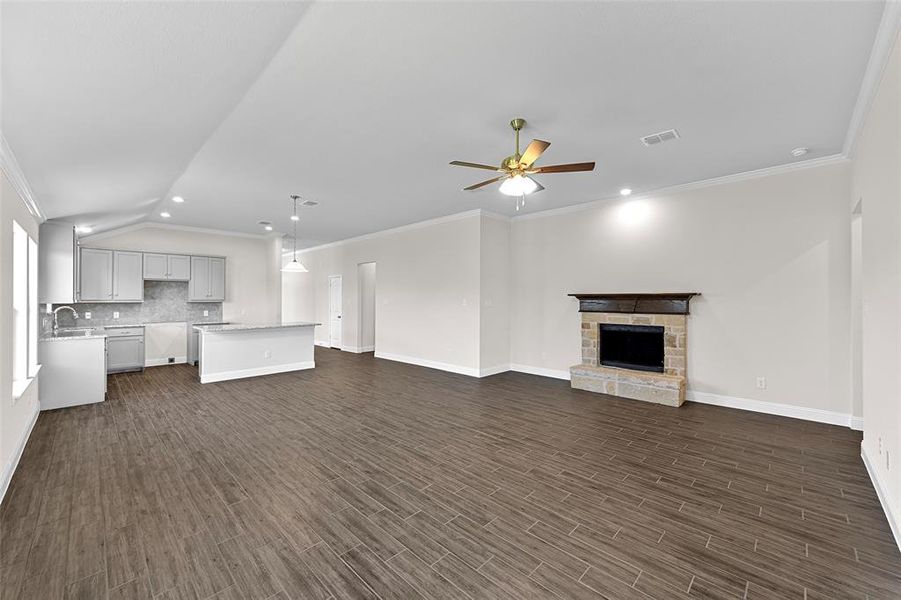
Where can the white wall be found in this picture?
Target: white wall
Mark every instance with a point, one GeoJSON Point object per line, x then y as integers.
{"type": "Point", "coordinates": [252, 279]}
{"type": "Point", "coordinates": [428, 291]}
{"type": "Point", "coordinates": [770, 256]}
{"type": "Point", "coordinates": [16, 416]}
{"type": "Point", "coordinates": [876, 183]}
{"type": "Point", "coordinates": [494, 294]}
{"type": "Point", "coordinates": [367, 295]}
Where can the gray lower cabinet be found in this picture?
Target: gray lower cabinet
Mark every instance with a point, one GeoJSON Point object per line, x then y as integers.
{"type": "Point", "coordinates": [207, 283]}
{"type": "Point", "coordinates": [125, 349]}
{"type": "Point", "coordinates": [110, 276]}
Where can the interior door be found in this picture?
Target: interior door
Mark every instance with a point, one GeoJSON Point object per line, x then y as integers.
{"type": "Point", "coordinates": [334, 310]}
{"type": "Point", "coordinates": [95, 275]}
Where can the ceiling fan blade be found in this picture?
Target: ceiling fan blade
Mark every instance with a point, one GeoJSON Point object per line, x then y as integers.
{"type": "Point", "coordinates": [570, 168]}
{"type": "Point", "coordinates": [483, 183]}
{"type": "Point", "coordinates": [462, 163]}
{"type": "Point", "coordinates": [540, 187]}
{"type": "Point", "coordinates": [533, 151]}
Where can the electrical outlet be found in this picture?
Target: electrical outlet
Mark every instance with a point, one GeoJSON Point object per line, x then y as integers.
{"type": "Point", "coordinates": [267, 354]}
{"type": "Point", "coordinates": [761, 383]}
{"type": "Point", "coordinates": [115, 314]}
{"type": "Point", "coordinates": [206, 313]}
{"type": "Point", "coordinates": [87, 315]}
{"type": "Point", "coordinates": [880, 444]}
{"type": "Point", "coordinates": [888, 465]}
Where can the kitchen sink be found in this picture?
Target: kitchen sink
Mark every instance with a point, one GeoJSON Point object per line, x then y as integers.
{"type": "Point", "coordinates": [74, 332]}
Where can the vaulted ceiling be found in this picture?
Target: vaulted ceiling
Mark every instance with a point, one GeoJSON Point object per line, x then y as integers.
{"type": "Point", "coordinates": [112, 108]}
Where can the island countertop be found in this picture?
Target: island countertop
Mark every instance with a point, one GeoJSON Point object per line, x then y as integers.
{"type": "Point", "coordinates": [251, 326]}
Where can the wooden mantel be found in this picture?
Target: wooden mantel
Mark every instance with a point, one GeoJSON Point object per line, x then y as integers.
{"type": "Point", "coordinates": [656, 304]}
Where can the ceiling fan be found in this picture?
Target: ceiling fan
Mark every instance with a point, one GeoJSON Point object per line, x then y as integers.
{"type": "Point", "coordinates": [516, 169]}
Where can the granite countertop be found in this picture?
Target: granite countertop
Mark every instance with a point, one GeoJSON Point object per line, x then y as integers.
{"type": "Point", "coordinates": [93, 333]}
{"type": "Point", "coordinates": [250, 326]}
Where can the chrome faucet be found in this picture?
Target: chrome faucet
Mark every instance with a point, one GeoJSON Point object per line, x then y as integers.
{"type": "Point", "coordinates": [56, 316]}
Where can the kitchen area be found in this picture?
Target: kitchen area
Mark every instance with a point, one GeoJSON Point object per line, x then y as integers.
{"type": "Point", "coordinates": [112, 311]}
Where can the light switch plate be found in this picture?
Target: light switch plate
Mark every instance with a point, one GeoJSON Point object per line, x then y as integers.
{"type": "Point", "coordinates": [87, 315]}
{"type": "Point", "coordinates": [115, 314]}
{"type": "Point", "coordinates": [206, 313]}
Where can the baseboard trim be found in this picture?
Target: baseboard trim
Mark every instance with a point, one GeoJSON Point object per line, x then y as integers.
{"type": "Point", "coordinates": [553, 373]}
{"type": "Point", "coordinates": [856, 423]}
{"type": "Point", "coordinates": [256, 372]}
{"type": "Point", "coordinates": [10, 468]}
{"type": "Point", "coordinates": [323, 344]}
{"type": "Point", "coordinates": [431, 364]}
{"type": "Point", "coordinates": [358, 349]}
{"type": "Point", "coordinates": [773, 408]}
{"type": "Point", "coordinates": [883, 495]}
{"type": "Point", "coordinates": [159, 362]}
{"type": "Point", "coordinates": [489, 371]}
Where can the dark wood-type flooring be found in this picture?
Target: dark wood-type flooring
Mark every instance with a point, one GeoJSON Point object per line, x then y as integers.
{"type": "Point", "coordinates": [370, 479]}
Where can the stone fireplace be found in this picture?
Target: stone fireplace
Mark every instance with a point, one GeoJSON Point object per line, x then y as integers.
{"type": "Point", "coordinates": [634, 346]}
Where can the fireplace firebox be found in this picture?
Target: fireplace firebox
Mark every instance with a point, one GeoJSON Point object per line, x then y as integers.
{"type": "Point", "coordinates": [638, 347]}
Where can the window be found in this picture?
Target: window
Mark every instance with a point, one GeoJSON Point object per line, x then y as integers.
{"type": "Point", "coordinates": [25, 309]}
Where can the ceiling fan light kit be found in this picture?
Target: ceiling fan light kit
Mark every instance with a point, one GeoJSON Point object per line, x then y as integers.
{"type": "Point", "coordinates": [516, 169]}
{"type": "Point", "coordinates": [294, 266]}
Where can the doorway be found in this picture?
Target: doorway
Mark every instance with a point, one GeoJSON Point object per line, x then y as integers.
{"type": "Point", "coordinates": [366, 287]}
{"type": "Point", "coordinates": [334, 311]}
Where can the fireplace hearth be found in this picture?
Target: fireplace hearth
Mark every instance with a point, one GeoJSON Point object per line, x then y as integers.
{"type": "Point", "coordinates": [634, 346]}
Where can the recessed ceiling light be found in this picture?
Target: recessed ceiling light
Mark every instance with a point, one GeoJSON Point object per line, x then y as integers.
{"type": "Point", "coordinates": [178, 199]}
{"type": "Point", "coordinates": [268, 228]}
{"type": "Point", "coordinates": [295, 218]}
{"type": "Point", "coordinates": [83, 229]}
{"type": "Point", "coordinates": [800, 151]}
{"type": "Point", "coordinates": [165, 215]}
{"type": "Point", "coordinates": [625, 191]}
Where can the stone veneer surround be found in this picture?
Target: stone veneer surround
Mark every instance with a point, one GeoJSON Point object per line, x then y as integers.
{"type": "Point", "coordinates": [663, 388]}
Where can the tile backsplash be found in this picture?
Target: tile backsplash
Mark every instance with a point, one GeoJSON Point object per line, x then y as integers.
{"type": "Point", "coordinates": [164, 301]}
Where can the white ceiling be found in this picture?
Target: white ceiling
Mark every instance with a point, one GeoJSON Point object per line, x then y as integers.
{"type": "Point", "coordinates": [113, 108]}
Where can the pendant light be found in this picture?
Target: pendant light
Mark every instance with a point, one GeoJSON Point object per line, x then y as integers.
{"type": "Point", "coordinates": [294, 266]}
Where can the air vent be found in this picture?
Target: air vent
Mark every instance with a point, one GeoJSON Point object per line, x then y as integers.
{"type": "Point", "coordinates": [309, 203]}
{"type": "Point", "coordinates": [659, 137]}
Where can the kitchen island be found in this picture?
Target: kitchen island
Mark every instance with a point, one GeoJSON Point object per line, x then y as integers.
{"type": "Point", "coordinates": [238, 350]}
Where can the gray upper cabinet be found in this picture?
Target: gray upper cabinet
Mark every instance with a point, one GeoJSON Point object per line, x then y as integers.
{"type": "Point", "coordinates": [128, 276]}
{"type": "Point", "coordinates": [110, 276]}
{"type": "Point", "coordinates": [179, 267]}
{"type": "Point", "coordinates": [217, 279]}
{"type": "Point", "coordinates": [96, 275]}
{"type": "Point", "coordinates": [207, 282]}
{"type": "Point", "coordinates": [56, 263]}
{"type": "Point", "coordinates": [167, 267]}
{"type": "Point", "coordinates": [156, 266]}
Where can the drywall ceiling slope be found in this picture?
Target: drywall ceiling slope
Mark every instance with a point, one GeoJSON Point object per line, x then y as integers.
{"type": "Point", "coordinates": [364, 104]}
{"type": "Point", "coordinates": [105, 103]}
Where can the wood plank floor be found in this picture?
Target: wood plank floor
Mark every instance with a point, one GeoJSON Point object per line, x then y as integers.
{"type": "Point", "coordinates": [370, 479]}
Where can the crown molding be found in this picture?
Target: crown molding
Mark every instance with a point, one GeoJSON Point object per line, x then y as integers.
{"type": "Point", "coordinates": [16, 177]}
{"type": "Point", "coordinates": [813, 163]}
{"type": "Point", "coordinates": [412, 226]}
{"type": "Point", "coordinates": [169, 227]}
{"type": "Point", "coordinates": [886, 37]}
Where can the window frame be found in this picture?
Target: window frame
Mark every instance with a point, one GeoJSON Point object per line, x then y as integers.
{"type": "Point", "coordinates": [25, 311]}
